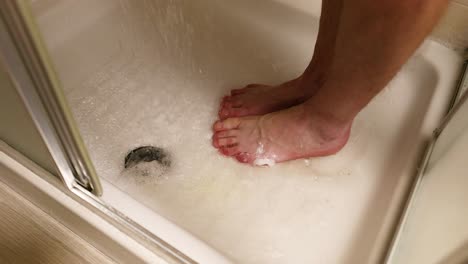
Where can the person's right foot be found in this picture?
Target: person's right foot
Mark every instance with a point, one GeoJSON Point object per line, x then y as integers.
{"type": "Point", "coordinates": [258, 99]}
{"type": "Point", "coordinates": [293, 133]}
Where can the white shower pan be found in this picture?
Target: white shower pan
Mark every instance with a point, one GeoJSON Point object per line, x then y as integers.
{"type": "Point", "coordinates": [153, 72]}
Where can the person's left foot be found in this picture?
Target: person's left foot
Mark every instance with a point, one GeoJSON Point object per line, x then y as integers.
{"type": "Point", "coordinates": [290, 134]}
{"type": "Point", "coordinates": [259, 99]}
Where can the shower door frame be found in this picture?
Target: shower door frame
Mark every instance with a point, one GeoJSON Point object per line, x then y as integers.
{"type": "Point", "coordinates": [29, 67]}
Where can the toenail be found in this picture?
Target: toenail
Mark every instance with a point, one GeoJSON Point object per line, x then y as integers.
{"type": "Point", "coordinates": [218, 125]}
{"type": "Point", "coordinates": [241, 158]}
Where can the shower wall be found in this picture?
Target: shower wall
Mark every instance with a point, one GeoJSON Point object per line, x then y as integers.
{"type": "Point", "coordinates": [151, 72]}
{"type": "Point", "coordinates": [453, 27]}
{"type": "Point", "coordinates": [17, 129]}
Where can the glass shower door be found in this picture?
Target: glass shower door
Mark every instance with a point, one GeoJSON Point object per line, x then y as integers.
{"type": "Point", "coordinates": [29, 66]}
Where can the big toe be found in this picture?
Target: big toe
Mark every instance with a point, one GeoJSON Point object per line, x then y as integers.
{"type": "Point", "coordinates": [227, 111]}
{"type": "Point", "coordinates": [244, 157]}
{"type": "Point", "coordinates": [227, 124]}
{"type": "Point", "coordinates": [223, 112]}
{"type": "Point", "coordinates": [231, 106]}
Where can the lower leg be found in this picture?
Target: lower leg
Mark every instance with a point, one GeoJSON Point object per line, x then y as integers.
{"type": "Point", "coordinates": [316, 72]}
{"type": "Point", "coordinates": [375, 38]}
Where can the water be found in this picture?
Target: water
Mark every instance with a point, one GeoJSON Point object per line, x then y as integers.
{"type": "Point", "coordinates": [159, 83]}
{"type": "Point", "coordinates": [167, 95]}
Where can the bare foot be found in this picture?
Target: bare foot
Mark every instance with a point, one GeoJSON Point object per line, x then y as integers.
{"type": "Point", "coordinates": [280, 136]}
{"type": "Point", "coordinates": [259, 99]}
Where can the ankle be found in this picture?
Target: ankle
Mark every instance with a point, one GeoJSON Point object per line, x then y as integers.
{"type": "Point", "coordinates": [332, 114]}
{"type": "Point", "coordinates": [312, 80]}
{"type": "Point", "coordinates": [300, 92]}
{"type": "Point", "coordinates": [326, 123]}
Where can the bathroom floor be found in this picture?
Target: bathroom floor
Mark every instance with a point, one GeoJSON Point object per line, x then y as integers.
{"type": "Point", "coordinates": [153, 72]}
{"type": "Point", "coordinates": [30, 235]}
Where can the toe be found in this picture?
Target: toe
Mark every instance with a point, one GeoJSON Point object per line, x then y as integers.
{"type": "Point", "coordinates": [237, 91]}
{"type": "Point", "coordinates": [232, 104]}
{"type": "Point", "coordinates": [225, 134]}
{"type": "Point", "coordinates": [223, 103]}
{"type": "Point", "coordinates": [244, 157]}
{"type": "Point", "coordinates": [230, 151]}
{"type": "Point", "coordinates": [230, 123]}
{"type": "Point", "coordinates": [233, 112]}
{"type": "Point", "coordinates": [228, 98]}
{"type": "Point", "coordinates": [238, 112]}
{"type": "Point", "coordinates": [224, 142]}
{"type": "Point", "coordinates": [224, 112]}
{"type": "Point", "coordinates": [226, 105]}
{"type": "Point", "coordinates": [237, 102]}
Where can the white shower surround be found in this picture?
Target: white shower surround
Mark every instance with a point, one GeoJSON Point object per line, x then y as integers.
{"type": "Point", "coordinates": [123, 62]}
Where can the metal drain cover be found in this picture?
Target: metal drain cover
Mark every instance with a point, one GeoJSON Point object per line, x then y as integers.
{"type": "Point", "coordinates": [147, 154]}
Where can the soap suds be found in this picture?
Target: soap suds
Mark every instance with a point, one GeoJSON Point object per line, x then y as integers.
{"type": "Point", "coordinates": [261, 160]}
{"type": "Point", "coordinates": [260, 149]}
{"type": "Point", "coordinates": [264, 162]}
{"type": "Point", "coordinates": [159, 82]}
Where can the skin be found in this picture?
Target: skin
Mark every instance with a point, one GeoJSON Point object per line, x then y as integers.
{"type": "Point", "coordinates": [361, 46]}
{"type": "Point", "coordinates": [259, 99]}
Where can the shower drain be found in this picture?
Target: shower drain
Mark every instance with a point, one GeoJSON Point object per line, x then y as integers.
{"type": "Point", "coordinates": [148, 161]}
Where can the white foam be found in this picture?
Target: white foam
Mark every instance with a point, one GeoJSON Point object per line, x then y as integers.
{"type": "Point", "coordinates": [264, 162]}
{"type": "Point", "coordinates": [260, 149]}
{"type": "Point", "coordinates": [161, 86]}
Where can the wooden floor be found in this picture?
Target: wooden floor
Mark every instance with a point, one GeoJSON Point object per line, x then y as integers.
{"type": "Point", "coordinates": [29, 235]}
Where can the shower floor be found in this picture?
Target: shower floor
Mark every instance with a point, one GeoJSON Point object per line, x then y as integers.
{"type": "Point", "coordinates": [152, 73]}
